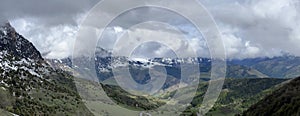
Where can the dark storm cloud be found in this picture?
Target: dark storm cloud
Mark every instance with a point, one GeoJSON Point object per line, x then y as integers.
{"type": "Point", "coordinates": [49, 12]}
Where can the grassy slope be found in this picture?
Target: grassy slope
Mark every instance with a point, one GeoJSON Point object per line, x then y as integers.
{"type": "Point", "coordinates": [55, 97]}
{"type": "Point", "coordinates": [284, 101]}
{"type": "Point", "coordinates": [237, 95]}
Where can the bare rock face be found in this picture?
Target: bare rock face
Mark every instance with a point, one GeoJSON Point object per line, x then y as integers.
{"type": "Point", "coordinates": [16, 44]}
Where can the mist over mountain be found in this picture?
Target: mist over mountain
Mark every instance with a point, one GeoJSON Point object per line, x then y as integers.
{"type": "Point", "coordinates": [29, 84]}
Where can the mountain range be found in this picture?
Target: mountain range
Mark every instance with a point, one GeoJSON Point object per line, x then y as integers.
{"type": "Point", "coordinates": [275, 67]}
{"type": "Point", "coordinates": [286, 66]}
{"type": "Point", "coordinates": [32, 85]}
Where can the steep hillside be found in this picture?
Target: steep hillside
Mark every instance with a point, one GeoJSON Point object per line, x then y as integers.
{"type": "Point", "coordinates": [284, 101]}
{"type": "Point", "coordinates": [28, 85]}
{"type": "Point", "coordinates": [17, 45]}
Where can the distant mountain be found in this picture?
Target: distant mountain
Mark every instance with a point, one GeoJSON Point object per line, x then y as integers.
{"type": "Point", "coordinates": [284, 101]}
{"type": "Point", "coordinates": [139, 68]}
{"type": "Point", "coordinates": [29, 85]}
{"type": "Point", "coordinates": [286, 66]}
{"type": "Point", "coordinates": [239, 71]}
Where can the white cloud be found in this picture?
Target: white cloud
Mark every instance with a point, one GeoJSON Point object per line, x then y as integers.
{"type": "Point", "coordinates": [167, 43]}
{"type": "Point", "coordinates": [271, 26]}
{"type": "Point", "coordinates": [250, 28]}
{"type": "Point", "coordinates": [52, 42]}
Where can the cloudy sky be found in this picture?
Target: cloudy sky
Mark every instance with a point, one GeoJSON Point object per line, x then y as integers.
{"type": "Point", "coordinates": [249, 28]}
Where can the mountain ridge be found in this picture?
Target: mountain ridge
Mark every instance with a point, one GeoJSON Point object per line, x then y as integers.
{"type": "Point", "coordinates": [16, 44]}
{"type": "Point", "coordinates": [29, 85]}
